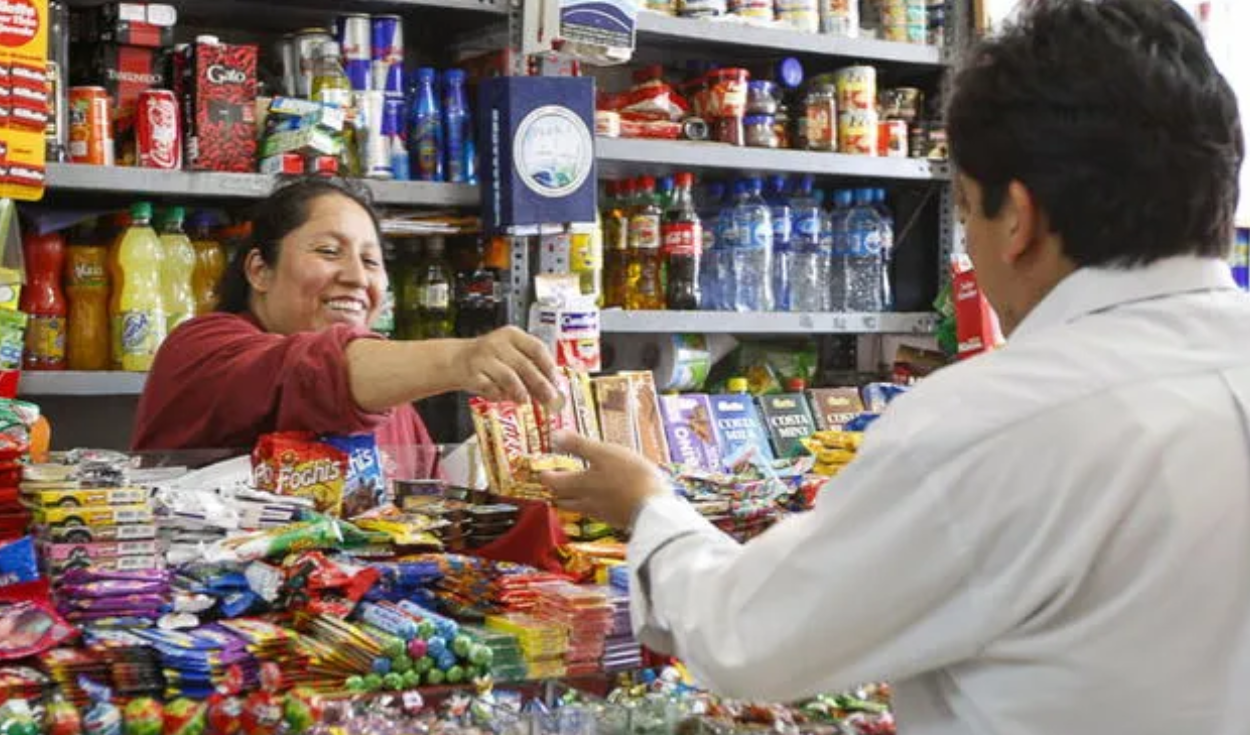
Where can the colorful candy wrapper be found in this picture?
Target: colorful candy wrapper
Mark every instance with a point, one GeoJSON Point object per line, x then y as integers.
{"type": "Point", "coordinates": [61, 717]}
{"type": "Point", "coordinates": [31, 627]}
{"type": "Point", "coordinates": [185, 717]}
{"type": "Point", "coordinates": [143, 716]}
{"type": "Point", "coordinates": [102, 717]}
{"type": "Point", "coordinates": [18, 563]}
{"type": "Point", "coordinates": [365, 487]}
{"type": "Point", "coordinates": [295, 463]}
{"type": "Point", "coordinates": [262, 710]}
{"type": "Point", "coordinates": [17, 718]}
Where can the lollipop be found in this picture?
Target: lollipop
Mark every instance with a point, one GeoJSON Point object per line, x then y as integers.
{"type": "Point", "coordinates": [144, 716]}
{"type": "Point", "coordinates": [225, 709]}
{"type": "Point", "coordinates": [262, 710]}
{"type": "Point", "coordinates": [61, 717]}
{"type": "Point", "coordinates": [302, 711]}
{"type": "Point", "coordinates": [102, 717]}
{"type": "Point", "coordinates": [185, 717]}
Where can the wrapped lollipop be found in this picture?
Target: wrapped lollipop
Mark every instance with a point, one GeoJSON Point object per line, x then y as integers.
{"type": "Point", "coordinates": [225, 708]}
{"type": "Point", "coordinates": [61, 717]}
{"type": "Point", "coordinates": [262, 710]}
{"type": "Point", "coordinates": [185, 717]}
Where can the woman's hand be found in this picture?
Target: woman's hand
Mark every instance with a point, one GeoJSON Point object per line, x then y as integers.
{"type": "Point", "coordinates": [507, 364]}
{"type": "Point", "coordinates": [614, 486]}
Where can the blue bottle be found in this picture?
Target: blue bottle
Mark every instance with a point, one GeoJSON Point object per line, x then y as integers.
{"type": "Point", "coordinates": [753, 252]}
{"type": "Point", "coordinates": [783, 252]}
{"type": "Point", "coordinates": [425, 137]}
{"type": "Point", "coordinates": [455, 126]}
{"type": "Point", "coordinates": [709, 277]}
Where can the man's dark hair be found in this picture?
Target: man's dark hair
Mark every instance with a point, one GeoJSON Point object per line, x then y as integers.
{"type": "Point", "coordinates": [1113, 115]}
{"type": "Point", "coordinates": [278, 215]}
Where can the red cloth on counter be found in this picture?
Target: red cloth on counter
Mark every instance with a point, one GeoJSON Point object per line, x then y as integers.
{"type": "Point", "coordinates": [220, 381]}
{"type": "Point", "coordinates": [535, 540]}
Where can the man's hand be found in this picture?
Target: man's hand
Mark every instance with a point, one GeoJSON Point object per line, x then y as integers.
{"type": "Point", "coordinates": [612, 489]}
{"type": "Point", "coordinates": [507, 365]}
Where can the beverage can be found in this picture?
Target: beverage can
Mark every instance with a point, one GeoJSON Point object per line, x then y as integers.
{"type": "Point", "coordinates": [289, 58]}
{"type": "Point", "coordinates": [306, 43]}
{"type": "Point", "coordinates": [158, 130]}
{"type": "Point", "coordinates": [387, 49]}
{"type": "Point", "coordinates": [355, 36]}
{"type": "Point", "coordinates": [857, 88]}
{"type": "Point", "coordinates": [892, 139]}
{"type": "Point", "coordinates": [370, 121]}
{"type": "Point", "coordinates": [91, 127]}
{"type": "Point", "coordinates": [857, 133]}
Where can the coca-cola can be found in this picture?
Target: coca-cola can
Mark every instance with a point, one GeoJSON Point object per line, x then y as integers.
{"type": "Point", "coordinates": [158, 130]}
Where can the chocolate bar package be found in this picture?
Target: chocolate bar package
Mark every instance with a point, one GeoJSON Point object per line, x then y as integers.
{"type": "Point", "coordinates": [648, 425]}
{"type": "Point", "coordinates": [834, 407]}
{"type": "Point", "coordinates": [691, 433]}
{"type": "Point", "coordinates": [739, 428]}
{"type": "Point", "coordinates": [789, 422]}
{"type": "Point", "coordinates": [616, 410]}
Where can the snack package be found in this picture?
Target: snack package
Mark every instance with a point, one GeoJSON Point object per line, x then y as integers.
{"type": "Point", "coordinates": [17, 562]}
{"type": "Point", "coordinates": [295, 463]}
{"type": "Point", "coordinates": [976, 325]}
{"type": "Point", "coordinates": [365, 487]}
{"type": "Point", "coordinates": [691, 433]}
{"type": "Point", "coordinates": [102, 717]}
{"type": "Point", "coordinates": [17, 718]}
{"type": "Point", "coordinates": [789, 422]}
{"type": "Point", "coordinates": [31, 627]}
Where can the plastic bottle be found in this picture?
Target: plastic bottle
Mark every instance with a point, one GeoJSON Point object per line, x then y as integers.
{"type": "Point", "coordinates": [665, 187]}
{"type": "Point", "coordinates": [839, 240]}
{"type": "Point", "coordinates": [425, 140]}
{"type": "Point", "coordinates": [887, 247]}
{"type": "Point", "coordinates": [806, 279]}
{"type": "Point", "coordinates": [210, 263]}
{"type": "Point", "coordinates": [115, 232]}
{"type": "Point", "coordinates": [727, 246]}
{"type": "Point", "coordinates": [783, 250]}
{"type": "Point", "coordinates": [646, 289]}
{"type": "Point", "coordinates": [139, 325]}
{"type": "Point", "coordinates": [752, 263]}
{"type": "Point", "coordinates": [43, 302]}
{"type": "Point", "coordinates": [87, 290]}
{"type": "Point", "coordinates": [616, 243]}
{"type": "Point", "coordinates": [863, 261]}
{"type": "Point", "coordinates": [682, 234]}
{"type": "Point", "coordinates": [434, 307]}
{"type": "Point", "coordinates": [477, 300]}
{"type": "Point", "coordinates": [455, 126]}
{"type": "Point", "coordinates": [709, 284]}
{"type": "Point", "coordinates": [330, 84]}
{"type": "Point", "coordinates": [178, 270]}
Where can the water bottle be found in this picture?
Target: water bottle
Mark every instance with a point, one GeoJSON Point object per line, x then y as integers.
{"type": "Point", "coordinates": [838, 238]}
{"type": "Point", "coordinates": [783, 251]}
{"type": "Point", "coordinates": [709, 275]}
{"type": "Point", "coordinates": [863, 260]}
{"type": "Point", "coordinates": [887, 247]}
{"type": "Point", "coordinates": [752, 262]}
{"type": "Point", "coordinates": [727, 246]}
{"type": "Point", "coordinates": [806, 280]}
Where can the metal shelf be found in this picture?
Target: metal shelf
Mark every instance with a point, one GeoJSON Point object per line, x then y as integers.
{"type": "Point", "coordinates": [616, 321]}
{"type": "Point", "coordinates": [73, 383]}
{"type": "Point", "coordinates": [623, 156]}
{"type": "Point", "coordinates": [657, 29]}
{"type": "Point", "coordinates": [114, 180]}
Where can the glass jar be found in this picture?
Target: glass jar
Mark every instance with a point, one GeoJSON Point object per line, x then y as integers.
{"type": "Point", "coordinates": [761, 97]}
{"type": "Point", "coordinates": [760, 132]}
{"type": "Point", "coordinates": [822, 118]}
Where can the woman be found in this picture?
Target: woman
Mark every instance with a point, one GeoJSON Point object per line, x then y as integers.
{"type": "Point", "coordinates": [290, 347]}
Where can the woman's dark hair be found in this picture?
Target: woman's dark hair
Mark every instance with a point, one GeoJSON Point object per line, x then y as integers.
{"type": "Point", "coordinates": [279, 214]}
{"type": "Point", "coordinates": [1114, 116]}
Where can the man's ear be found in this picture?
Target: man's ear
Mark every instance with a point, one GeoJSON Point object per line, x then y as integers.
{"type": "Point", "coordinates": [1022, 220]}
{"type": "Point", "coordinates": [259, 274]}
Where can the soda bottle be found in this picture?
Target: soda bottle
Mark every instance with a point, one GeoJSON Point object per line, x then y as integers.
{"type": "Point", "coordinates": [646, 290]}
{"type": "Point", "coordinates": [753, 251]}
{"type": "Point", "coordinates": [139, 326]}
{"type": "Point", "coordinates": [210, 263]}
{"type": "Point", "coordinates": [455, 126]}
{"type": "Point", "coordinates": [434, 310]}
{"type": "Point", "coordinates": [178, 270]}
{"type": "Point", "coordinates": [43, 302]}
{"type": "Point", "coordinates": [616, 243]}
{"type": "Point", "coordinates": [384, 322]}
{"type": "Point", "coordinates": [407, 311]}
{"type": "Point", "coordinates": [683, 245]}
{"type": "Point", "coordinates": [425, 141]}
{"type": "Point", "coordinates": [87, 288]}
{"type": "Point", "coordinates": [477, 299]}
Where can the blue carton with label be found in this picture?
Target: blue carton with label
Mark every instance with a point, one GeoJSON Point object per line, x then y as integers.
{"type": "Point", "coordinates": [538, 151]}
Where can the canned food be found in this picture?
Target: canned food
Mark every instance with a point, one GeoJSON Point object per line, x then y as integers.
{"type": "Point", "coordinates": [307, 42]}
{"type": "Point", "coordinates": [607, 124]}
{"type": "Point", "coordinates": [90, 126]}
{"type": "Point", "coordinates": [727, 93]}
{"type": "Point", "coordinates": [158, 130]}
{"type": "Point", "coordinates": [821, 118]}
{"type": "Point", "coordinates": [857, 133]}
{"type": "Point", "coordinates": [857, 89]}
{"type": "Point", "coordinates": [892, 139]}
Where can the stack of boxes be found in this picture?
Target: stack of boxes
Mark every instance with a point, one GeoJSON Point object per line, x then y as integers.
{"type": "Point", "coordinates": [101, 528]}
{"type": "Point", "coordinates": [585, 615]}
{"type": "Point", "coordinates": [123, 47]}
{"type": "Point", "coordinates": [543, 643]}
{"type": "Point", "coordinates": [621, 651]}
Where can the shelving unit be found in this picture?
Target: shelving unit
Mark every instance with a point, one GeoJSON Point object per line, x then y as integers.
{"type": "Point", "coordinates": [623, 156]}
{"type": "Point", "coordinates": [730, 36]}
{"type": "Point", "coordinates": [74, 383]}
{"type": "Point", "coordinates": [127, 181]}
{"type": "Point", "coordinates": [762, 323]}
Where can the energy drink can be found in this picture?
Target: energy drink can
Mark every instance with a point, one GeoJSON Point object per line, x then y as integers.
{"type": "Point", "coordinates": [375, 153]}
{"type": "Point", "coordinates": [387, 50]}
{"type": "Point", "coordinates": [355, 39]}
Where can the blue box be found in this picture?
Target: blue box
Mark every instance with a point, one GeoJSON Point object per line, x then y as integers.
{"type": "Point", "coordinates": [536, 137]}
{"type": "Point", "coordinates": [739, 428]}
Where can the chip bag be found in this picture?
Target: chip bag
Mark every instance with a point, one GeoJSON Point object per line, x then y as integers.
{"type": "Point", "coordinates": [365, 484]}
{"type": "Point", "coordinates": [295, 463]}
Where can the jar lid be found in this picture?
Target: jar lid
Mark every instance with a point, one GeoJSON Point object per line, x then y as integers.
{"type": "Point", "coordinates": [762, 86]}
{"type": "Point", "coordinates": [790, 72]}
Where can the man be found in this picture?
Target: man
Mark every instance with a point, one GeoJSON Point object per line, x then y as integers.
{"type": "Point", "coordinates": [1054, 537]}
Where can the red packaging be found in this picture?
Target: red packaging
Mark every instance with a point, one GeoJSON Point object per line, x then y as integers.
{"type": "Point", "coordinates": [135, 24]}
{"type": "Point", "coordinates": [295, 463]}
{"type": "Point", "coordinates": [6, 93]}
{"type": "Point", "coordinates": [125, 72]}
{"type": "Point", "coordinates": [158, 130]}
{"type": "Point", "coordinates": [218, 94]}
{"type": "Point", "coordinates": [28, 97]}
{"type": "Point", "coordinates": [323, 165]}
{"type": "Point", "coordinates": [976, 325]}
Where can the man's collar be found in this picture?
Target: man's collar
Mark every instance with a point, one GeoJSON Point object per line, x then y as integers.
{"type": "Point", "coordinates": [1090, 290]}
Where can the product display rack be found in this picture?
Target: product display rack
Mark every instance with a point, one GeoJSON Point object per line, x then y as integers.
{"type": "Point", "coordinates": [130, 181]}
{"type": "Point", "coordinates": [616, 321]}
{"type": "Point", "coordinates": [78, 383]}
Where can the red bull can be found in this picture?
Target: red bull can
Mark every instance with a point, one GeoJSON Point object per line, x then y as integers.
{"type": "Point", "coordinates": [388, 52]}
{"type": "Point", "coordinates": [354, 38]}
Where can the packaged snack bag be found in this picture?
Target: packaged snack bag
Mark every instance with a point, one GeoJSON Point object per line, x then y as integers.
{"type": "Point", "coordinates": [295, 463]}
{"type": "Point", "coordinates": [365, 487]}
